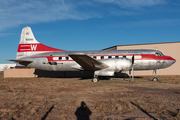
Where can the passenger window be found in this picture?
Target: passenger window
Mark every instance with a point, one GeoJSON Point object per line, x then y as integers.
{"type": "Point", "coordinates": [109, 56]}
{"type": "Point", "coordinates": [116, 56]}
{"type": "Point", "coordinates": [60, 58]}
{"type": "Point", "coordinates": [102, 57]}
{"type": "Point", "coordinates": [67, 58]}
{"type": "Point", "coordinates": [124, 56]}
{"type": "Point", "coordinates": [94, 57]}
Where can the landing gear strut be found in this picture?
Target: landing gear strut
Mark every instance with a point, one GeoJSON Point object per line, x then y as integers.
{"type": "Point", "coordinates": [155, 77]}
{"type": "Point", "coordinates": [95, 79]}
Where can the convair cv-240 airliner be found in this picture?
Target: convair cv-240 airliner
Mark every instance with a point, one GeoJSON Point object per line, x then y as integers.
{"type": "Point", "coordinates": [33, 54]}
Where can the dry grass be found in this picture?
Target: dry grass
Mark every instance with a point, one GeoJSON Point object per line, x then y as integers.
{"type": "Point", "coordinates": [60, 98]}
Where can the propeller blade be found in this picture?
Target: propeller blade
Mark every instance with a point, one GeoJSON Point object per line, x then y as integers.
{"type": "Point", "coordinates": [132, 68]}
{"type": "Point", "coordinates": [133, 59]}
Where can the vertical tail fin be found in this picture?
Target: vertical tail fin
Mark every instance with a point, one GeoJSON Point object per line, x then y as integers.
{"type": "Point", "coordinates": [28, 45]}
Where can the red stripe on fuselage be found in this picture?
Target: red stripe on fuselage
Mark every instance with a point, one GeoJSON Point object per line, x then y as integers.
{"type": "Point", "coordinates": [154, 57]}
{"type": "Point", "coordinates": [35, 47]}
{"type": "Point", "coordinates": [143, 57]}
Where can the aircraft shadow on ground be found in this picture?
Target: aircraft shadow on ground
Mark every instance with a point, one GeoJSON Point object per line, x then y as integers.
{"type": "Point", "coordinates": [64, 74]}
{"type": "Point", "coordinates": [76, 74]}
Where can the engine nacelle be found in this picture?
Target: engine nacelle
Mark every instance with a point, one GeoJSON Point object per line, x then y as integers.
{"type": "Point", "coordinates": [117, 64]}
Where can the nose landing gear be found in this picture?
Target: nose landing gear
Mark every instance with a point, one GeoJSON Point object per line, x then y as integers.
{"type": "Point", "coordinates": [155, 77]}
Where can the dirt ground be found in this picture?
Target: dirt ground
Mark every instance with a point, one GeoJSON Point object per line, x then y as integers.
{"type": "Point", "coordinates": [79, 99]}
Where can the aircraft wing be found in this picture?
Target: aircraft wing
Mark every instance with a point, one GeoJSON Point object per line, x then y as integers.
{"type": "Point", "coordinates": [87, 62]}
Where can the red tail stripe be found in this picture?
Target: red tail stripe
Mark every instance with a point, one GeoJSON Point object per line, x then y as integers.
{"type": "Point", "coordinates": [35, 47]}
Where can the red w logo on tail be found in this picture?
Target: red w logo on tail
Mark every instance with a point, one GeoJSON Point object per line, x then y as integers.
{"type": "Point", "coordinates": [33, 47]}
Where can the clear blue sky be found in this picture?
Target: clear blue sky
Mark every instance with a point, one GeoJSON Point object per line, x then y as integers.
{"type": "Point", "coordinates": [88, 24]}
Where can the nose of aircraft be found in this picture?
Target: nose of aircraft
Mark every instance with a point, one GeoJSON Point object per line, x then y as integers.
{"type": "Point", "coordinates": [168, 61]}
{"type": "Point", "coordinates": [171, 60]}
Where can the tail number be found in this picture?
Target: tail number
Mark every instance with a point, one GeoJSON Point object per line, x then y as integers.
{"type": "Point", "coordinates": [33, 47]}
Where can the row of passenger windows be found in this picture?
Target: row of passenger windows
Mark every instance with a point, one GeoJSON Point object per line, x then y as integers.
{"type": "Point", "coordinates": [106, 57]}
{"type": "Point", "coordinates": [98, 57]}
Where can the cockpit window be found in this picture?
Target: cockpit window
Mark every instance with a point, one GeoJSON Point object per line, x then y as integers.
{"type": "Point", "coordinates": [159, 54]}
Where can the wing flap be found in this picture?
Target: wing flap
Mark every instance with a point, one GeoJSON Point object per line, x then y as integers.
{"type": "Point", "coordinates": [87, 63]}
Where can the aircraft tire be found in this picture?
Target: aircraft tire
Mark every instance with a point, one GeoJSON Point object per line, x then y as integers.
{"type": "Point", "coordinates": [155, 79]}
{"type": "Point", "coordinates": [95, 79]}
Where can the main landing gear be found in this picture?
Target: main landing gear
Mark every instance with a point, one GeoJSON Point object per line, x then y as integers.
{"type": "Point", "coordinates": [155, 77]}
{"type": "Point", "coordinates": [95, 79]}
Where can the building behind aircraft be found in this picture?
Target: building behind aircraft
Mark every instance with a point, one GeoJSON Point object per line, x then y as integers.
{"type": "Point", "coordinates": [5, 66]}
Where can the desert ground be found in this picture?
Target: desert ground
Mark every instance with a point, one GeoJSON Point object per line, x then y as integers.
{"type": "Point", "coordinates": [79, 99]}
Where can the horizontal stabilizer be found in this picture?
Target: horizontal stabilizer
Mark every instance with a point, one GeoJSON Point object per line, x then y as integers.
{"type": "Point", "coordinates": [87, 62]}
{"type": "Point", "coordinates": [22, 62]}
